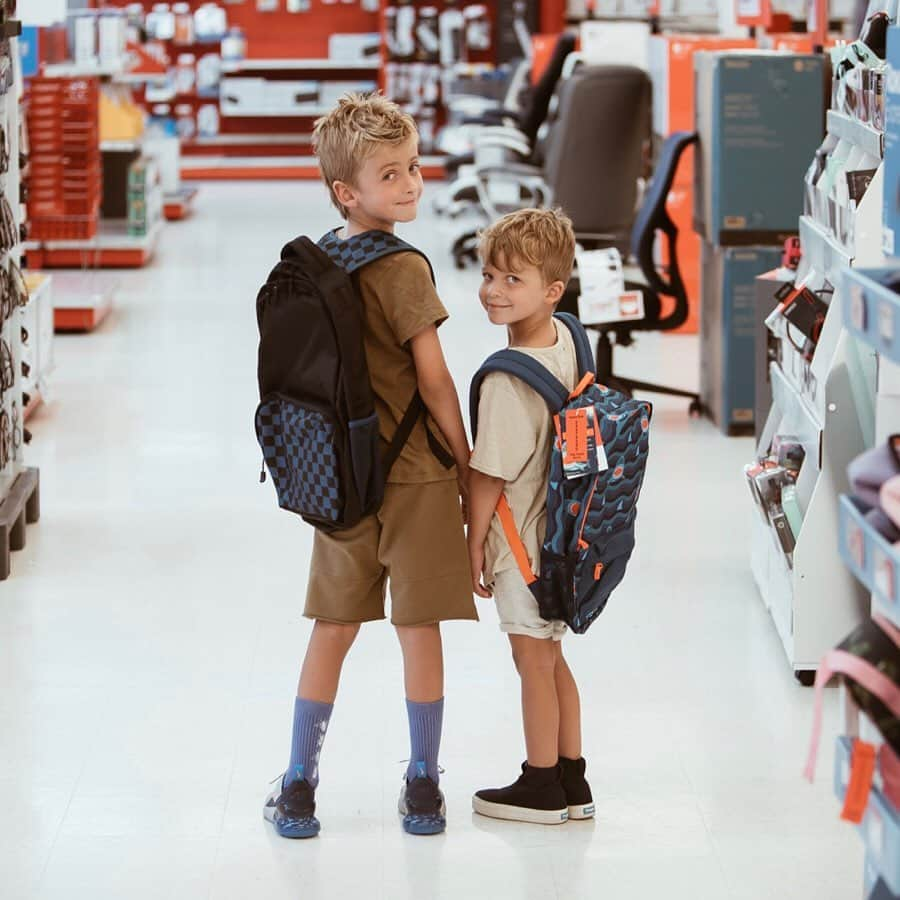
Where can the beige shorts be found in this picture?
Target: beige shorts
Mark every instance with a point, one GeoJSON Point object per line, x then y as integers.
{"type": "Point", "coordinates": [416, 541]}
{"type": "Point", "coordinates": [518, 610]}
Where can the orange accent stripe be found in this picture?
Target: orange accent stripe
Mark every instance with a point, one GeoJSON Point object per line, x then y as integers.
{"type": "Point", "coordinates": [520, 554]}
{"type": "Point", "coordinates": [582, 386]}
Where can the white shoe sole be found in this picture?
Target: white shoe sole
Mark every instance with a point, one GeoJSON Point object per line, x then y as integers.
{"type": "Point", "coordinates": [519, 813]}
{"type": "Point", "coordinates": [578, 813]}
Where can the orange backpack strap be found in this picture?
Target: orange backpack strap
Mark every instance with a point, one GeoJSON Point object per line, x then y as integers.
{"type": "Point", "coordinates": [519, 552]}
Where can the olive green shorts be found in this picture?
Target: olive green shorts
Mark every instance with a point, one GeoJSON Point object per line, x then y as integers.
{"type": "Point", "coordinates": [416, 541]}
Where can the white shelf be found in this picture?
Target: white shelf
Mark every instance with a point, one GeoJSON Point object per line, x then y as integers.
{"type": "Point", "coordinates": [821, 251]}
{"type": "Point", "coordinates": [120, 146]}
{"type": "Point", "coordinates": [276, 114]}
{"type": "Point", "coordinates": [866, 137]}
{"type": "Point", "coordinates": [81, 70]}
{"type": "Point", "coordinates": [300, 65]}
{"type": "Point", "coordinates": [111, 236]}
{"type": "Point", "coordinates": [240, 140]}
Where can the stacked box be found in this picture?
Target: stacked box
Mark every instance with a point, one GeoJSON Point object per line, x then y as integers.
{"type": "Point", "coordinates": [65, 175]}
{"type": "Point", "coordinates": [761, 118]}
{"type": "Point", "coordinates": [144, 196]}
{"type": "Point", "coordinates": [728, 331]}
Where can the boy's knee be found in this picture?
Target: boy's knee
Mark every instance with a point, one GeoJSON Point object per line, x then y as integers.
{"type": "Point", "coordinates": [533, 655]}
{"type": "Point", "coordinates": [339, 634]}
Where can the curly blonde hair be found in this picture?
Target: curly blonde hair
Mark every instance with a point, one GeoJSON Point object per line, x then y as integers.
{"type": "Point", "coordinates": [345, 137]}
{"type": "Point", "coordinates": [543, 238]}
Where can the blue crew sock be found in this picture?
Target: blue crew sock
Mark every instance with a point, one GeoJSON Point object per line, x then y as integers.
{"type": "Point", "coordinates": [310, 724]}
{"type": "Point", "coordinates": [425, 720]}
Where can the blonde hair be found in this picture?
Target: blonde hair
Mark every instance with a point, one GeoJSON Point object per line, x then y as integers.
{"type": "Point", "coordinates": [543, 238]}
{"type": "Point", "coordinates": [344, 138]}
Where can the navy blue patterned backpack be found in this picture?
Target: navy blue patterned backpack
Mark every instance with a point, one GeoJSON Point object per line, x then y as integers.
{"type": "Point", "coordinates": [316, 421]}
{"type": "Point", "coordinates": [596, 471]}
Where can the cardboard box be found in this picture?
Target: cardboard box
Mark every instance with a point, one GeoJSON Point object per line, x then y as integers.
{"type": "Point", "coordinates": [891, 229]}
{"type": "Point", "coordinates": [672, 73]}
{"type": "Point", "coordinates": [730, 310]}
{"type": "Point", "coordinates": [761, 117]}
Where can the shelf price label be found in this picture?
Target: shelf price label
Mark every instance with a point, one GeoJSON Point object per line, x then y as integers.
{"type": "Point", "coordinates": [856, 544]}
{"type": "Point", "coordinates": [858, 308]}
{"type": "Point", "coordinates": [884, 575]}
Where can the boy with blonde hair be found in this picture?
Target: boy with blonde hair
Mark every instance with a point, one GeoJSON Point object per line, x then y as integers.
{"type": "Point", "coordinates": [527, 260]}
{"type": "Point", "coordinates": [368, 152]}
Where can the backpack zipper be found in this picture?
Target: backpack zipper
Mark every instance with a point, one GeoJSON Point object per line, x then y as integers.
{"type": "Point", "coordinates": [587, 508]}
{"type": "Point", "coordinates": [262, 472]}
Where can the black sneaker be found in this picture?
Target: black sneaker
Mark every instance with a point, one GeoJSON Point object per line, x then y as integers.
{"type": "Point", "coordinates": [537, 796]}
{"type": "Point", "coordinates": [292, 810]}
{"type": "Point", "coordinates": [578, 791]}
{"type": "Point", "coordinates": [422, 805]}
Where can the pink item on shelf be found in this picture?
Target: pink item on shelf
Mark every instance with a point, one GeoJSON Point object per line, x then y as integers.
{"type": "Point", "coordinates": [889, 498]}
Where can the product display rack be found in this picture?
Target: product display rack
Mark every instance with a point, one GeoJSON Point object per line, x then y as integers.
{"type": "Point", "coordinates": [19, 484]}
{"type": "Point", "coordinates": [812, 597]}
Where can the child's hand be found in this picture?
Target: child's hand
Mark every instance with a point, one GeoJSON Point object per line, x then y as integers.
{"type": "Point", "coordinates": [476, 561]}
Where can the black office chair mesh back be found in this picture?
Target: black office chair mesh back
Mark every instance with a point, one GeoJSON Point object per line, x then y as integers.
{"type": "Point", "coordinates": [594, 152]}
{"type": "Point", "coordinates": [534, 115]}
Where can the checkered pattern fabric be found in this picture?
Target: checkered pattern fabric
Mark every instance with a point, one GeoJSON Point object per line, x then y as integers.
{"type": "Point", "coordinates": [298, 449]}
{"type": "Point", "coordinates": [355, 252]}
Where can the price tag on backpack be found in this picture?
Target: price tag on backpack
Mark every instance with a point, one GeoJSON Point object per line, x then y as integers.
{"type": "Point", "coordinates": [582, 444]}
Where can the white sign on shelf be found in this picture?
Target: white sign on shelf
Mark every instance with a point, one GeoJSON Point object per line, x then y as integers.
{"type": "Point", "coordinates": [603, 297]}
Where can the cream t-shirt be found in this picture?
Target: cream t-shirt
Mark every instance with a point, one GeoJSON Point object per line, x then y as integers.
{"type": "Point", "coordinates": [514, 441]}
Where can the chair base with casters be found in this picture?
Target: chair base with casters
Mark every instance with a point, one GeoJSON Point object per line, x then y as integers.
{"type": "Point", "coordinates": [624, 338]}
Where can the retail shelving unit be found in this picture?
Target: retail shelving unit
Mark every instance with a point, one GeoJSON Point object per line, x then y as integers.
{"type": "Point", "coordinates": [111, 248]}
{"type": "Point", "coordinates": [813, 599]}
{"type": "Point", "coordinates": [871, 315]}
{"type": "Point", "coordinates": [19, 493]}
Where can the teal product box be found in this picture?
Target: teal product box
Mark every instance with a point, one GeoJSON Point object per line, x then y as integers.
{"type": "Point", "coordinates": [729, 315]}
{"type": "Point", "coordinates": [891, 231]}
{"type": "Point", "coordinates": [760, 117]}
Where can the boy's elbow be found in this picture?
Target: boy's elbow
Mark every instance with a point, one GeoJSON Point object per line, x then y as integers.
{"type": "Point", "coordinates": [435, 385]}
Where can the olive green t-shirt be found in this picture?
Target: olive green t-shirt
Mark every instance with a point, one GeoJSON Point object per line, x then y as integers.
{"type": "Point", "coordinates": [399, 301]}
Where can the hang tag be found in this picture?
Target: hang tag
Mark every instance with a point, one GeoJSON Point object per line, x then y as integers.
{"type": "Point", "coordinates": [582, 444]}
{"type": "Point", "coordinates": [862, 770]}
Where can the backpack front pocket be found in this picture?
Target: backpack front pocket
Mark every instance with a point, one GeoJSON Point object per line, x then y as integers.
{"type": "Point", "coordinates": [301, 450]}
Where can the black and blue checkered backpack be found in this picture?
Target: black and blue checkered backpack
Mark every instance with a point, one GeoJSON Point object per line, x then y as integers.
{"type": "Point", "coordinates": [316, 421]}
{"type": "Point", "coordinates": [596, 470]}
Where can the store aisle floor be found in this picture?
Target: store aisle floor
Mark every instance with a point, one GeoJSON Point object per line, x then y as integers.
{"type": "Point", "coordinates": [151, 635]}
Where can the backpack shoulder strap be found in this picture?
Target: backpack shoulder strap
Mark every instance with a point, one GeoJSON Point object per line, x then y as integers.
{"type": "Point", "coordinates": [525, 368]}
{"type": "Point", "coordinates": [584, 353]}
{"type": "Point", "coordinates": [355, 252]}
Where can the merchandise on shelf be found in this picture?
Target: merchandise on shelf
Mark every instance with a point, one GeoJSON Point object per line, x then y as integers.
{"type": "Point", "coordinates": [64, 171]}
{"type": "Point", "coordinates": [746, 126]}
{"type": "Point", "coordinates": [728, 326]}
{"type": "Point", "coordinates": [892, 145]}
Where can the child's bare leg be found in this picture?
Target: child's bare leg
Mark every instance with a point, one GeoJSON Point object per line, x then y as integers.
{"type": "Point", "coordinates": [423, 674]}
{"type": "Point", "coordinates": [569, 706]}
{"type": "Point", "coordinates": [423, 662]}
{"type": "Point", "coordinates": [535, 660]}
{"type": "Point", "coordinates": [328, 647]}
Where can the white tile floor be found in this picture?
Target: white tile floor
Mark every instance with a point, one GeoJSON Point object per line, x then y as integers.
{"type": "Point", "coordinates": [151, 634]}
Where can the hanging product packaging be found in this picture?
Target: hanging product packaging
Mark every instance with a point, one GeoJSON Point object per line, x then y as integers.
{"type": "Point", "coordinates": [184, 23]}
{"type": "Point", "coordinates": [297, 6]}
{"type": "Point", "coordinates": [111, 33]}
{"type": "Point", "coordinates": [186, 73]}
{"type": "Point", "coordinates": [161, 22]}
{"type": "Point", "coordinates": [431, 90]}
{"type": "Point", "coordinates": [209, 73]}
{"type": "Point", "coordinates": [134, 14]}
{"type": "Point", "coordinates": [427, 35]}
{"type": "Point", "coordinates": [210, 23]}
{"type": "Point", "coordinates": [426, 129]}
{"type": "Point", "coordinates": [404, 34]}
{"type": "Point", "coordinates": [452, 26]}
{"type": "Point", "coordinates": [208, 120]}
{"type": "Point", "coordinates": [267, 5]}
{"type": "Point", "coordinates": [478, 28]}
{"type": "Point", "coordinates": [84, 27]}
{"type": "Point", "coordinates": [234, 45]}
{"type": "Point", "coordinates": [185, 123]}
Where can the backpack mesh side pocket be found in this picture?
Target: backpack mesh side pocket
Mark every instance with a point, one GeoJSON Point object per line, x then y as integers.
{"type": "Point", "coordinates": [301, 451]}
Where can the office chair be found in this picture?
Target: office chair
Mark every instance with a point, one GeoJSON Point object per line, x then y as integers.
{"type": "Point", "coordinates": [593, 161]}
{"type": "Point", "coordinates": [506, 133]}
{"type": "Point", "coordinates": [652, 217]}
